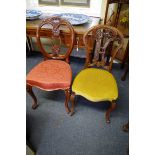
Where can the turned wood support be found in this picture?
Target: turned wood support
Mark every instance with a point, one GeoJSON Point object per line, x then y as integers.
{"type": "Point", "coordinates": [67, 93]}
{"type": "Point", "coordinates": [30, 91]}
{"type": "Point", "coordinates": [72, 98]}
{"type": "Point", "coordinates": [111, 108]}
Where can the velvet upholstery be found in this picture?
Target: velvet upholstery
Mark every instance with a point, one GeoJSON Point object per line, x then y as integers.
{"type": "Point", "coordinates": [50, 75]}
{"type": "Point", "coordinates": [95, 85]}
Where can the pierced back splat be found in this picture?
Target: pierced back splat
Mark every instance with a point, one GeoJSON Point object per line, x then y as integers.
{"type": "Point", "coordinates": [55, 28]}
{"type": "Point", "coordinates": [100, 41]}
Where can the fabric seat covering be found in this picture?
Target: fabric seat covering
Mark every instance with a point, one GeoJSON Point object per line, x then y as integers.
{"type": "Point", "coordinates": [50, 75]}
{"type": "Point", "coordinates": [95, 85]}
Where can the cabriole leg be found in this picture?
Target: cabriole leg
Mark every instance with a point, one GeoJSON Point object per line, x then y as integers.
{"type": "Point", "coordinates": [30, 91]}
{"type": "Point", "coordinates": [111, 108]}
{"type": "Point", "coordinates": [67, 93]}
{"type": "Point", "coordinates": [72, 98]}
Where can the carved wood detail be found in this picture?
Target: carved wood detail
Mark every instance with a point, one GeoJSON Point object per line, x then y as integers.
{"type": "Point", "coordinates": [103, 38]}
{"type": "Point", "coordinates": [53, 31]}
{"type": "Point", "coordinates": [53, 27]}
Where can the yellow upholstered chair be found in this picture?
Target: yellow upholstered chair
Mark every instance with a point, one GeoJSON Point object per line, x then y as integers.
{"type": "Point", "coordinates": [96, 82]}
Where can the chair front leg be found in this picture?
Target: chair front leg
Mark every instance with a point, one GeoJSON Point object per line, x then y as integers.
{"type": "Point", "coordinates": [72, 98]}
{"type": "Point", "coordinates": [112, 107]}
{"type": "Point", "coordinates": [67, 93]}
{"type": "Point", "coordinates": [30, 91]}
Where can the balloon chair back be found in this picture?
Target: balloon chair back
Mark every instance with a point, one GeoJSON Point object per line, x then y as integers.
{"type": "Point", "coordinates": [95, 82]}
{"type": "Point", "coordinates": [54, 72]}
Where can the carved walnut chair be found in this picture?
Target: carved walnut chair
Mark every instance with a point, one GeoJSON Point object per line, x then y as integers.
{"type": "Point", "coordinates": [54, 73]}
{"type": "Point", "coordinates": [96, 82]}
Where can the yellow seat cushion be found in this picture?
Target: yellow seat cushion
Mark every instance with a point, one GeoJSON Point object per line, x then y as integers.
{"type": "Point", "coordinates": [95, 85]}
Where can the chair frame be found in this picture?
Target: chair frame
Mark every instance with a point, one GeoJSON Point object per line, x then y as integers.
{"type": "Point", "coordinates": [115, 35]}
{"type": "Point", "coordinates": [54, 33]}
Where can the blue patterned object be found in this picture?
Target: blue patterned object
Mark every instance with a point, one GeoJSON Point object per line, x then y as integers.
{"type": "Point", "coordinates": [33, 14]}
{"type": "Point", "coordinates": [74, 19]}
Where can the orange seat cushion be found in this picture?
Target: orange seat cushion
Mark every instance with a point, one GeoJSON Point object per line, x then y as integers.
{"type": "Point", "coordinates": [50, 75]}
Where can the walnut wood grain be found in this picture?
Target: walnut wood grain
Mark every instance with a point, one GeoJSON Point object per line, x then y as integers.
{"type": "Point", "coordinates": [99, 41]}
{"type": "Point", "coordinates": [31, 29]}
{"type": "Point", "coordinates": [54, 33]}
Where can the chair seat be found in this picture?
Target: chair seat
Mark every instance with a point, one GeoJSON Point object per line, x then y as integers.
{"type": "Point", "coordinates": [50, 75]}
{"type": "Point", "coordinates": [95, 85]}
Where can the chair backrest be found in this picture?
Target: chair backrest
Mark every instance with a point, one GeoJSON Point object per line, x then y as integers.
{"type": "Point", "coordinates": [102, 43]}
{"type": "Point", "coordinates": [56, 29]}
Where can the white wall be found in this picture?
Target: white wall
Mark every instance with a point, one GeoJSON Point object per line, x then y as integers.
{"type": "Point", "coordinates": [94, 10]}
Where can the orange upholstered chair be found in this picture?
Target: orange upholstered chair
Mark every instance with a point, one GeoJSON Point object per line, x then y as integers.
{"type": "Point", "coordinates": [54, 72]}
{"type": "Point", "coordinates": [98, 84]}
